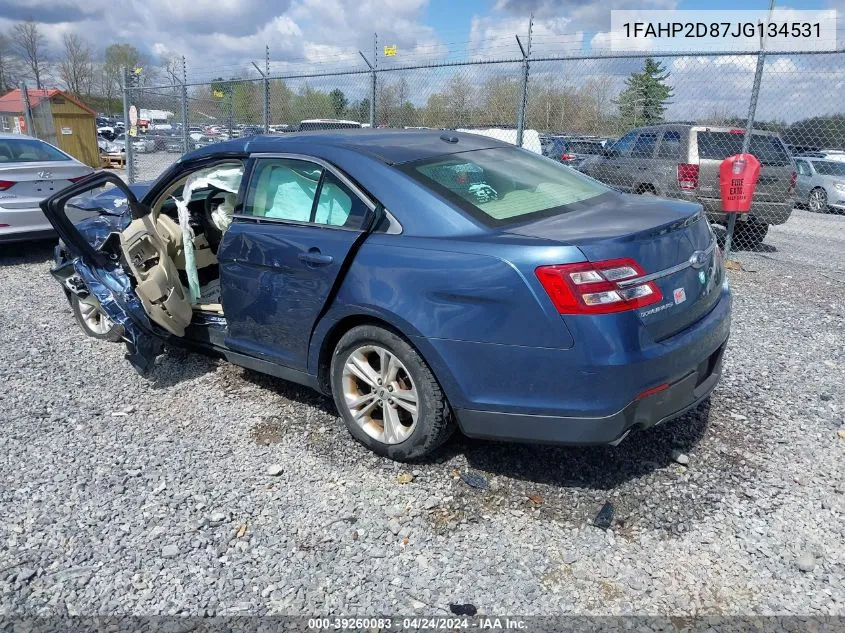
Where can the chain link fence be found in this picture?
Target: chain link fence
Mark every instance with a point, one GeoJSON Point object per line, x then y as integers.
{"type": "Point", "coordinates": [658, 125]}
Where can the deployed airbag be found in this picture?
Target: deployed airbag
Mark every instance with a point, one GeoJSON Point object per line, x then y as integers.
{"type": "Point", "coordinates": [224, 177]}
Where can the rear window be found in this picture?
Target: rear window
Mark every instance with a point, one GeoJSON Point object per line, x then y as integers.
{"type": "Point", "coordinates": [829, 168]}
{"type": "Point", "coordinates": [769, 150]}
{"type": "Point", "coordinates": [28, 150]}
{"type": "Point", "coordinates": [504, 185]}
{"type": "Point", "coordinates": [310, 126]}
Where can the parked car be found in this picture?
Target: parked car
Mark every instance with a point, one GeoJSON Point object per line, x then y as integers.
{"type": "Point", "coordinates": [31, 170]}
{"type": "Point", "coordinates": [572, 152]}
{"type": "Point", "coordinates": [310, 125]}
{"type": "Point", "coordinates": [682, 161]}
{"type": "Point", "coordinates": [140, 144]}
{"type": "Point", "coordinates": [827, 154]}
{"type": "Point", "coordinates": [426, 280]}
{"type": "Point", "coordinates": [251, 130]}
{"type": "Point", "coordinates": [175, 143]}
{"type": "Point", "coordinates": [821, 183]}
{"type": "Point", "coordinates": [204, 141]}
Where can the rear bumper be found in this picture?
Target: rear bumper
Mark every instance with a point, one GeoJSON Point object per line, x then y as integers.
{"type": "Point", "coordinates": [681, 396]}
{"type": "Point", "coordinates": [588, 394]}
{"type": "Point", "coordinates": [25, 235]}
{"type": "Point", "coordinates": [764, 212]}
{"type": "Point", "coordinates": [28, 223]}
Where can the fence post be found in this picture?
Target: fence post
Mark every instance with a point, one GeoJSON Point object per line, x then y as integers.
{"type": "Point", "coordinates": [373, 93]}
{"type": "Point", "coordinates": [185, 132]}
{"type": "Point", "coordinates": [523, 93]}
{"type": "Point", "coordinates": [130, 151]}
{"type": "Point", "coordinates": [752, 111]}
{"type": "Point", "coordinates": [27, 111]}
{"type": "Point", "coordinates": [375, 70]}
{"type": "Point", "coordinates": [267, 89]}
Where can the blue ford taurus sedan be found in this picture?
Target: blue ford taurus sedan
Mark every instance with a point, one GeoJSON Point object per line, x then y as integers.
{"type": "Point", "coordinates": [428, 281]}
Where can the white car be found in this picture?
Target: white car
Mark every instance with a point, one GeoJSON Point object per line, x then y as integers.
{"type": "Point", "coordinates": [31, 170]}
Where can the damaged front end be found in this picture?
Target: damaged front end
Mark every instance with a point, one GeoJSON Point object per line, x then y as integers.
{"type": "Point", "coordinates": [88, 263]}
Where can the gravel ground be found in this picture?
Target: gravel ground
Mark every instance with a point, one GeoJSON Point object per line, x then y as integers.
{"type": "Point", "coordinates": [122, 494]}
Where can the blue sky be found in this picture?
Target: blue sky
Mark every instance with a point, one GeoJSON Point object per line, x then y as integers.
{"type": "Point", "coordinates": [447, 16]}
{"type": "Point", "coordinates": [224, 36]}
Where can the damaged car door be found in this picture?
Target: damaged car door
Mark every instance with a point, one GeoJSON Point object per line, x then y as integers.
{"type": "Point", "coordinates": [285, 251]}
{"type": "Point", "coordinates": [92, 264]}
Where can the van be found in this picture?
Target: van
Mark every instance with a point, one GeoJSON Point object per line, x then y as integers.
{"type": "Point", "coordinates": [682, 161]}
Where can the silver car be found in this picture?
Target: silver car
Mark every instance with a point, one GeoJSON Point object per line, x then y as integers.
{"type": "Point", "coordinates": [31, 170]}
{"type": "Point", "coordinates": [821, 183]}
{"type": "Point", "coordinates": [140, 145]}
{"type": "Point", "coordinates": [680, 160]}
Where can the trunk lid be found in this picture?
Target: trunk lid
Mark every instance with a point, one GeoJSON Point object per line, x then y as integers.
{"type": "Point", "coordinates": [35, 181]}
{"type": "Point", "coordinates": [775, 164]}
{"type": "Point", "coordinates": [669, 238]}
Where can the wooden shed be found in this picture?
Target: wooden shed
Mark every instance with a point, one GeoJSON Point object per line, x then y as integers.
{"type": "Point", "coordinates": [58, 117]}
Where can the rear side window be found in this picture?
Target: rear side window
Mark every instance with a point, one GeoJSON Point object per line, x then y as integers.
{"type": "Point", "coordinates": [624, 144]}
{"type": "Point", "coordinates": [829, 168]}
{"type": "Point", "coordinates": [504, 185]}
{"type": "Point", "coordinates": [769, 150]}
{"type": "Point", "coordinates": [670, 145]}
{"type": "Point", "coordinates": [304, 193]}
{"type": "Point", "coordinates": [337, 205]}
{"type": "Point", "coordinates": [644, 147]}
{"type": "Point", "coordinates": [803, 168]}
{"type": "Point", "coordinates": [26, 150]}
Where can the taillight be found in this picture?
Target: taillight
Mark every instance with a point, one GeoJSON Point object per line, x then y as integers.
{"type": "Point", "coordinates": [687, 176]}
{"type": "Point", "coordinates": [5, 184]}
{"type": "Point", "coordinates": [595, 288]}
{"type": "Point", "coordinates": [567, 156]}
{"type": "Point", "coordinates": [78, 178]}
{"type": "Point", "coordinates": [793, 179]}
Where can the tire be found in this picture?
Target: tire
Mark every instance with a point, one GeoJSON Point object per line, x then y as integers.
{"type": "Point", "coordinates": [94, 323]}
{"type": "Point", "coordinates": [749, 235]}
{"type": "Point", "coordinates": [355, 368]}
{"type": "Point", "coordinates": [646, 191]}
{"type": "Point", "coordinates": [817, 200]}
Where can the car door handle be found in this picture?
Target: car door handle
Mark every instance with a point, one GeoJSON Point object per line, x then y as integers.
{"type": "Point", "coordinates": [315, 258]}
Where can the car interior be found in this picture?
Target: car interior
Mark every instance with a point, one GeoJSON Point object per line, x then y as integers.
{"type": "Point", "coordinates": [172, 251]}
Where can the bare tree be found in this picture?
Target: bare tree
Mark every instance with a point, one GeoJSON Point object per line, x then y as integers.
{"type": "Point", "coordinates": [77, 68]}
{"type": "Point", "coordinates": [30, 44]}
{"type": "Point", "coordinates": [9, 67]}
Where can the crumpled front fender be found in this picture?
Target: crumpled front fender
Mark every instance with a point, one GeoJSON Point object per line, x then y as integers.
{"type": "Point", "coordinates": [118, 301]}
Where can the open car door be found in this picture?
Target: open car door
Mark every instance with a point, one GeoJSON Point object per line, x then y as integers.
{"type": "Point", "coordinates": [125, 258]}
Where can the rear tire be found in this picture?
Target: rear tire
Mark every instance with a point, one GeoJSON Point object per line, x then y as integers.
{"type": "Point", "coordinates": [94, 323]}
{"type": "Point", "coordinates": [749, 235]}
{"type": "Point", "coordinates": [817, 200]}
{"type": "Point", "coordinates": [388, 397]}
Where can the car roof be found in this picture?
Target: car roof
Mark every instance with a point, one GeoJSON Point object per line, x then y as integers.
{"type": "Point", "coordinates": [387, 145]}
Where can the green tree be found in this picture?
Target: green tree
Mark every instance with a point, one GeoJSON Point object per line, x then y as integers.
{"type": "Point", "coordinates": [646, 94]}
{"type": "Point", "coordinates": [339, 101]}
{"type": "Point", "coordinates": [364, 110]}
{"type": "Point", "coordinates": [117, 57]}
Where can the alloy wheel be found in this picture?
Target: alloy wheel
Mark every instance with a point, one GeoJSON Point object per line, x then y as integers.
{"type": "Point", "coordinates": [94, 318]}
{"type": "Point", "coordinates": [818, 200]}
{"type": "Point", "coordinates": [380, 394]}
